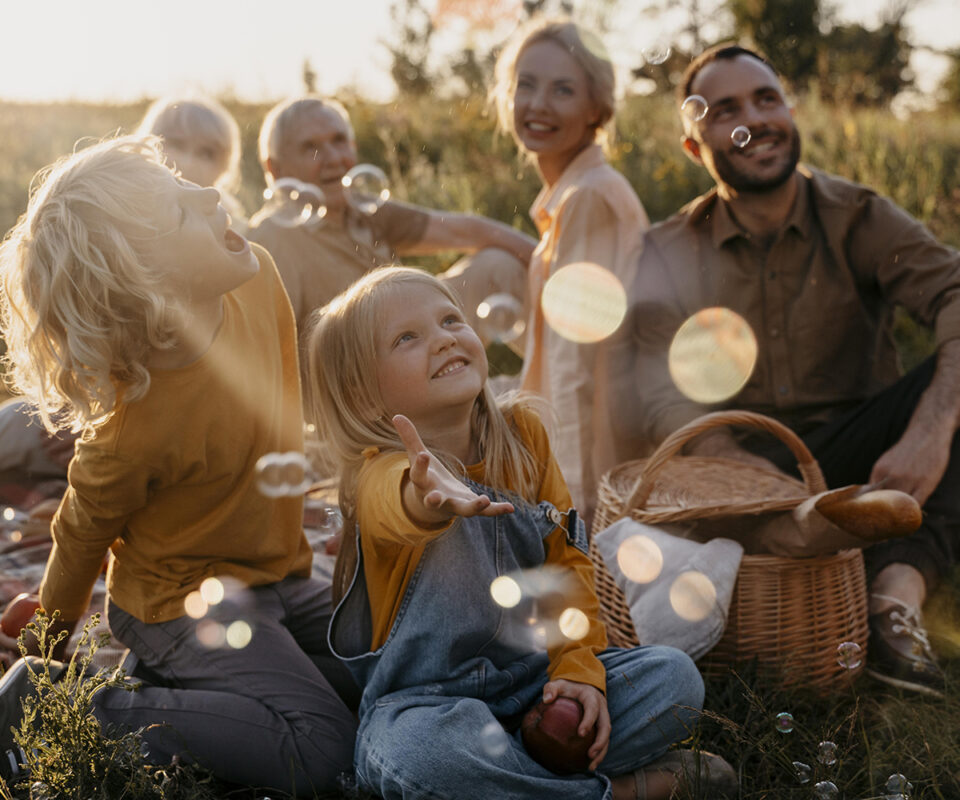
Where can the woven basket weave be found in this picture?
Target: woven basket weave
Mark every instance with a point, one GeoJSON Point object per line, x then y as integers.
{"type": "Point", "coordinates": [790, 614]}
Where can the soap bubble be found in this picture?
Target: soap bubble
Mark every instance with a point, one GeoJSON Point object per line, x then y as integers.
{"type": "Point", "coordinates": [802, 771]}
{"type": "Point", "coordinates": [294, 203]}
{"type": "Point", "coordinates": [897, 787]}
{"type": "Point", "coordinates": [493, 739]}
{"type": "Point", "coordinates": [505, 591]}
{"type": "Point", "coordinates": [849, 655]}
{"type": "Point", "coordinates": [712, 355]}
{"type": "Point", "coordinates": [694, 108]}
{"type": "Point", "coordinates": [194, 605]}
{"type": "Point", "coordinates": [827, 753]}
{"type": "Point", "coordinates": [656, 53]}
{"type": "Point", "coordinates": [283, 474]}
{"type": "Point", "coordinates": [826, 790]}
{"type": "Point", "coordinates": [693, 596]}
{"type": "Point", "coordinates": [583, 302]}
{"type": "Point", "coordinates": [323, 517]}
{"type": "Point", "coordinates": [366, 188]}
{"type": "Point", "coordinates": [574, 624]}
{"type": "Point", "coordinates": [784, 722]}
{"type": "Point", "coordinates": [211, 634]}
{"type": "Point", "coordinates": [238, 634]}
{"type": "Point", "coordinates": [9, 513]}
{"type": "Point", "coordinates": [500, 318]}
{"type": "Point", "coordinates": [740, 136]}
{"type": "Point", "coordinates": [640, 558]}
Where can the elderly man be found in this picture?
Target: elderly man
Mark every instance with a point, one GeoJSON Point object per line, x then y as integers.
{"type": "Point", "coordinates": [311, 139]}
{"type": "Point", "coordinates": [815, 265]}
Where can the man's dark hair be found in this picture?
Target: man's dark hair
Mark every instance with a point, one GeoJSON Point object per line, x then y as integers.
{"type": "Point", "coordinates": [724, 51]}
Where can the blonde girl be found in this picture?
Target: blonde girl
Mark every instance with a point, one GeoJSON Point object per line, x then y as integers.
{"type": "Point", "coordinates": [134, 313]}
{"type": "Point", "coordinates": [554, 93]}
{"type": "Point", "coordinates": [202, 139]}
{"type": "Point", "coordinates": [449, 491]}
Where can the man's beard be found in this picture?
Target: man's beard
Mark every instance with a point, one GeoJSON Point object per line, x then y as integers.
{"type": "Point", "coordinates": [729, 174]}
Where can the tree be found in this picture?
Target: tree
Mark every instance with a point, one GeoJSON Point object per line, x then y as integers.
{"type": "Point", "coordinates": [411, 50]}
{"type": "Point", "coordinates": [788, 31]}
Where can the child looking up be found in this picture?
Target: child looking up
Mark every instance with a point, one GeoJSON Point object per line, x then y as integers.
{"type": "Point", "coordinates": [202, 139]}
{"type": "Point", "coordinates": [132, 312]}
{"type": "Point", "coordinates": [390, 361]}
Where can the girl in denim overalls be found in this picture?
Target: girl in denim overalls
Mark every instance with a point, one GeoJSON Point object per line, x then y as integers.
{"type": "Point", "coordinates": [448, 672]}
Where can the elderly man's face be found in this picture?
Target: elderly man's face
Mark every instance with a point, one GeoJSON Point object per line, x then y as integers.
{"type": "Point", "coordinates": [319, 150]}
{"type": "Point", "coordinates": [744, 92]}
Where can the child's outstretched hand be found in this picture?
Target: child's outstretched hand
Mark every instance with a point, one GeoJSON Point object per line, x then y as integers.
{"type": "Point", "coordinates": [433, 494]}
{"type": "Point", "coordinates": [594, 711]}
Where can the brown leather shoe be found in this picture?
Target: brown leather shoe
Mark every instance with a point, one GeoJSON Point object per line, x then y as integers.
{"type": "Point", "coordinates": [899, 651]}
{"type": "Point", "coordinates": [705, 775]}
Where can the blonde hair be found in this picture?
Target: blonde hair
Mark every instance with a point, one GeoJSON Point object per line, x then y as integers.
{"type": "Point", "coordinates": [283, 118]}
{"type": "Point", "coordinates": [198, 119]}
{"type": "Point", "coordinates": [585, 48]}
{"type": "Point", "coordinates": [80, 311]}
{"type": "Point", "coordinates": [350, 414]}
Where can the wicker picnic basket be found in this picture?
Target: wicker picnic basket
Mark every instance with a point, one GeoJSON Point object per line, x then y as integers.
{"type": "Point", "coordinates": [789, 614]}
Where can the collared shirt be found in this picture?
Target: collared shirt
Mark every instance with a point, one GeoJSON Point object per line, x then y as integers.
{"type": "Point", "coordinates": [820, 300]}
{"type": "Point", "coordinates": [317, 263]}
{"type": "Point", "coordinates": [591, 214]}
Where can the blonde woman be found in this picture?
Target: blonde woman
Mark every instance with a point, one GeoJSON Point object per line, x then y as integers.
{"type": "Point", "coordinates": [554, 94]}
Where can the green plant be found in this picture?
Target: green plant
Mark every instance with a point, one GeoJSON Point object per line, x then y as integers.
{"type": "Point", "coordinates": [69, 754]}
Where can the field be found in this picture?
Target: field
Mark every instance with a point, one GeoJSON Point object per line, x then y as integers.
{"type": "Point", "coordinates": [447, 154]}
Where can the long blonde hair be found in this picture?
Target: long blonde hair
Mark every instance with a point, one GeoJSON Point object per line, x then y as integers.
{"type": "Point", "coordinates": [585, 48]}
{"type": "Point", "coordinates": [350, 414]}
{"type": "Point", "coordinates": [80, 311]}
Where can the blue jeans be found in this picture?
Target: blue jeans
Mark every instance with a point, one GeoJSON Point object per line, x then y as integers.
{"type": "Point", "coordinates": [266, 714]}
{"type": "Point", "coordinates": [431, 746]}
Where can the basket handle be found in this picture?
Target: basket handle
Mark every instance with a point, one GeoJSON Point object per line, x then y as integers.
{"type": "Point", "coordinates": [675, 442]}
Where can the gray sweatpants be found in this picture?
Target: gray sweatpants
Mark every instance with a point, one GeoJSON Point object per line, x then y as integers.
{"type": "Point", "coordinates": [267, 714]}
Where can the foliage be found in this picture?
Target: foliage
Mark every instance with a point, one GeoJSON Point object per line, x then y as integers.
{"type": "Point", "coordinates": [68, 753]}
{"type": "Point", "coordinates": [786, 30]}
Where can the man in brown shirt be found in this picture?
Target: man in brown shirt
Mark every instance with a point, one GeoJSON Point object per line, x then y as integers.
{"type": "Point", "coordinates": [311, 139]}
{"type": "Point", "coordinates": [816, 266]}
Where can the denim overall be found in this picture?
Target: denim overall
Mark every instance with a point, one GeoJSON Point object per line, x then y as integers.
{"type": "Point", "coordinates": [455, 661]}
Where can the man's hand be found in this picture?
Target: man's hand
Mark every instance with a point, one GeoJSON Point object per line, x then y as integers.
{"type": "Point", "coordinates": [432, 494]}
{"type": "Point", "coordinates": [916, 463]}
{"type": "Point", "coordinates": [594, 711]}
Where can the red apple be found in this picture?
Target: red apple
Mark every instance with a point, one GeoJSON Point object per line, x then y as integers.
{"type": "Point", "coordinates": [550, 736]}
{"type": "Point", "coordinates": [18, 613]}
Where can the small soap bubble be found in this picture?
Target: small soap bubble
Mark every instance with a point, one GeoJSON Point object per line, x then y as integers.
{"type": "Point", "coordinates": [583, 302]}
{"type": "Point", "coordinates": [270, 476]}
{"type": "Point", "coordinates": [212, 591]}
{"type": "Point", "coordinates": [195, 606]}
{"type": "Point", "coordinates": [849, 655]}
{"type": "Point", "coordinates": [294, 203]}
{"type": "Point", "coordinates": [330, 522]}
{"type": "Point", "coordinates": [16, 536]}
{"type": "Point", "coordinates": [712, 355]}
{"type": "Point", "coordinates": [803, 771]}
{"type": "Point", "coordinates": [897, 787]}
{"type": "Point", "coordinates": [238, 634]}
{"type": "Point", "coordinates": [40, 791]}
{"type": "Point", "coordinates": [9, 513]}
{"type": "Point", "coordinates": [505, 591]}
{"type": "Point", "coordinates": [784, 722]}
{"type": "Point", "coordinates": [656, 53]}
{"type": "Point", "coordinates": [693, 596]}
{"type": "Point", "coordinates": [493, 739]}
{"type": "Point", "coordinates": [211, 634]}
{"type": "Point", "coordinates": [826, 790]}
{"type": "Point", "coordinates": [640, 558]}
{"type": "Point", "coordinates": [574, 624]}
{"type": "Point", "coordinates": [500, 318]}
{"type": "Point", "coordinates": [366, 188]}
{"type": "Point", "coordinates": [283, 474]}
{"type": "Point", "coordinates": [827, 753]}
{"type": "Point", "coordinates": [694, 108]}
{"type": "Point", "coordinates": [740, 136]}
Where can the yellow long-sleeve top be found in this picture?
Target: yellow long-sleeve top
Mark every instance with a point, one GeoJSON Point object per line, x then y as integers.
{"type": "Point", "coordinates": [168, 482]}
{"type": "Point", "coordinates": [392, 545]}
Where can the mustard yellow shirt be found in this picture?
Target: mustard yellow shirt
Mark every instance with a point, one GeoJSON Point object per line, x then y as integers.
{"type": "Point", "coordinates": [168, 482]}
{"type": "Point", "coordinates": [591, 214]}
{"type": "Point", "coordinates": [392, 545]}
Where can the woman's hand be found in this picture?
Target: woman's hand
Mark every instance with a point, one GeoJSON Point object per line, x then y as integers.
{"type": "Point", "coordinates": [431, 493]}
{"type": "Point", "coordinates": [594, 711]}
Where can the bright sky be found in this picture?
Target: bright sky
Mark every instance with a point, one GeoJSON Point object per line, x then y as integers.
{"type": "Point", "coordinates": [125, 50]}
